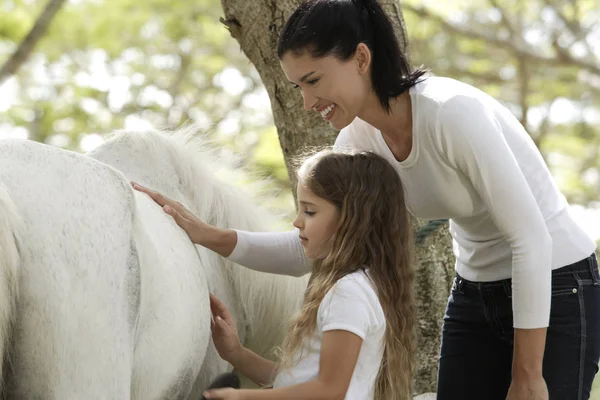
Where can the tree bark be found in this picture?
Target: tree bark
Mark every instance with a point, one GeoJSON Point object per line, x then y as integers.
{"type": "Point", "coordinates": [18, 58]}
{"type": "Point", "coordinates": [256, 26]}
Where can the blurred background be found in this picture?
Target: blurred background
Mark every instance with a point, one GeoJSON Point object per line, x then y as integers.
{"type": "Point", "coordinates": [103, 65]}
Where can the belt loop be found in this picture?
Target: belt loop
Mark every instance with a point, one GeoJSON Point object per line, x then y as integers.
{"type": "Point", "coordinates": [461, 285]}
{"type": "Point", "coordinates": [507, 285]}
{"type": "Point", "coordinates": [458, 284]}
{"type": "Point", "coordinates": [593, 264]}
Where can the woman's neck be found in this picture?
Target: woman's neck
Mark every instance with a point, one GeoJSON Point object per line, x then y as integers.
{"type": "Point", "coordinates": [395, 126]}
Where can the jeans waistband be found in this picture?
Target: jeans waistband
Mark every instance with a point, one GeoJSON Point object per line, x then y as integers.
{"type": "Point", "coordinates": [586, 268]}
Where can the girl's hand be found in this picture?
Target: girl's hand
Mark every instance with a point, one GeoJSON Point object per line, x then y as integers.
{"type": "Point", "coordinates": [224, 334]}
{"type": "Point", "coordinates": [225, 394]}
{"type": "Point", "coordinates": [196, 229]}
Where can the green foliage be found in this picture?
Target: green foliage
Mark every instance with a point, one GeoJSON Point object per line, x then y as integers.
{"type": "Point", "coordinates": [502, 48]}
{"type": "Point", "coordinates": [105, 64]}
{"type": "Point", "coordinates": [14, 24]}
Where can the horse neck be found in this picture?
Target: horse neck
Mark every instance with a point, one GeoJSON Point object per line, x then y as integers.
{"type": "Point", "coordinates": [141, 159]}
{"type": "Point", "coordinates": [171, 166]}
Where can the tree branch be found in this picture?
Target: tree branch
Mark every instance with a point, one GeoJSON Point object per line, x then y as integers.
{"type": "Point", "coordinates": [574, 26]}
{"type": "Point", "coordinates": [544, 129]}
{"type": "Point", "coordinates": [24, 50]}
{"type": "Point", "coordinates": [503, 18]}
{"type": "Point", "coordinates": [562, 57]}
{"type": "Point", "coordinates": [489, 77]}
{"type": "Point", "coordinates": [184, 66]}
{"type": "Point", "coordinates": [524, 79]}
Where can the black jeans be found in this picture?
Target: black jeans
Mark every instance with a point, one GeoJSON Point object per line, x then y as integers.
{"type": "Point", "coordinates": [477, 337]}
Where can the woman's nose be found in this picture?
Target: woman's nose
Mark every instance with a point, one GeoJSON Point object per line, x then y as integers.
{"type": "Point", "coordinates": [309, 101]}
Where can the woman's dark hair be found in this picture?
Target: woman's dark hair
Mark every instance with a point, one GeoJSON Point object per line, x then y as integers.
{"type": "Point", "coordinates": [336, 27]}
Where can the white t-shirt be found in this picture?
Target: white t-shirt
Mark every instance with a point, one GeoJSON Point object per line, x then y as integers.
{"type": "Point", "coordinates": [351, 305]}
{"type": "Point", "coordinates": [473, 163]}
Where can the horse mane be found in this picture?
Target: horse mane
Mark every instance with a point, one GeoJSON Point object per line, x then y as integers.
{"type": "Point", "coordinates": [219, 190]}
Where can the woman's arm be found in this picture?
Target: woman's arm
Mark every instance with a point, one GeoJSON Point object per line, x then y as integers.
{"type": "Point", "coordinates": [473, 141]}
{"type": "Point", "coordinates": [274, 252]}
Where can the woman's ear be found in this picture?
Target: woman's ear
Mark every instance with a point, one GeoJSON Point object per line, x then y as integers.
{"type": "Point", "coordinates": [363, 58]}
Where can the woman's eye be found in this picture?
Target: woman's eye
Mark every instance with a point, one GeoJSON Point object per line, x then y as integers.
{"type": "Point", "coordinates": [309, 213]}
{"type": "Point", "coordinates": [313, 81]}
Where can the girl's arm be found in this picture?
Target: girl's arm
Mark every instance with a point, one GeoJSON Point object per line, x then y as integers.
{"type": "Point", "coordinates": [349, 312]}
{"type": "Point", "coordinates": [259, 370]}
{"type": "Point", "coordinates": [339, 353]}
{"type": "Point", "coordinates": [225, 338]}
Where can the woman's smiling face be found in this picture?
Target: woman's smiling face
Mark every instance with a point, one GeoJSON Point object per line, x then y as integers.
{"type": "Point", "coordinates": [335, 89]}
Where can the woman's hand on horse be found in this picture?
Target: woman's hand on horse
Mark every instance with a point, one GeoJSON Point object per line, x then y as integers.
{"type": "Point", "coordinates": [193, 226]}
{"type": "Point", "coordinates": [221, 241]}
{"type": "Point", "coordinates": [224, 334]}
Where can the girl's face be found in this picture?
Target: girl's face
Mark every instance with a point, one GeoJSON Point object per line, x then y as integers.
{"type": "Point", "coordinates": [317, 221]}
{"type": "Point", "coordinates": [335, 89]}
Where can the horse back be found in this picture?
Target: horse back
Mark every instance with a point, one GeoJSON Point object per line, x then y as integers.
{"type": "Point", "coordinates": [79, 277]}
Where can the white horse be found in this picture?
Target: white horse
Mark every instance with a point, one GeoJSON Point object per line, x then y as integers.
{"type": "Point", "coordinates": [102, 295]}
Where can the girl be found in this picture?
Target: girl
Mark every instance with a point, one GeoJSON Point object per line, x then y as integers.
{"type": "Point", "coordinates": [354, 336]}
{"type": "Point", "coordinates": [523, 317]}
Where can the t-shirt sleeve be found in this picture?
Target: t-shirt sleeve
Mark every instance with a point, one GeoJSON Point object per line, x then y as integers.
{"type": "Point", "coordinates": [273, 252]}
{"type": "Point", "coordinates": [351, 306]}
{"type": "Point", "coordinates": [472, 139]}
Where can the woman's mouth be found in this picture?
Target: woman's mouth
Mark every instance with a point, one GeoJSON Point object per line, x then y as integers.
{"type": "Point", "coordinates": [328, 111]}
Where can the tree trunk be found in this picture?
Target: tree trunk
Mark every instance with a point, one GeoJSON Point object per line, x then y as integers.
{"type": "Point", "coordinates": [256, 26]}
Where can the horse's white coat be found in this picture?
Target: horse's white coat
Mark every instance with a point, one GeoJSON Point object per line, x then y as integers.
{"type": "Point", "coordinates": [112, 297]}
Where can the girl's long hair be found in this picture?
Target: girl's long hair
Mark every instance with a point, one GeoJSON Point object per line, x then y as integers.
{"type": "Point", "coordinates": [374, 231]}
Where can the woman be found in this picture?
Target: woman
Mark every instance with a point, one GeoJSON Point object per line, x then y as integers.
{"type": "Point", "coordinates": [522, 321]}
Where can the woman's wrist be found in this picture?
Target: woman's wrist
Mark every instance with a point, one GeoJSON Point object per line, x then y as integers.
{"type": "Point", "coordinates": [221, 241]}
{"type": "Point", "coordinates": [529, 345]}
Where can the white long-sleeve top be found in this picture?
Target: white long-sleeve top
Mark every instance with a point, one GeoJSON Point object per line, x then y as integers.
{"type": "Point", "coordinates": [473, 163]}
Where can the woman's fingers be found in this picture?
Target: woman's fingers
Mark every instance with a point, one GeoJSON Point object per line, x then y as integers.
{"type": "Point", "coordinates": [164, 201]}
{"type": "Point", "coordinates": [157, 197]}
{"type": "Point", "coordinates": [161, 199]}
{"type": "Point", "coordinates": [179, 219]}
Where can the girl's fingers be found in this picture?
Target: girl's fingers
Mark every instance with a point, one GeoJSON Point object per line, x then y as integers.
{"type": "Point", "coordinates": [216, 306]}
{"type": "Point", "coordinates": [217, 393]}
